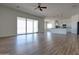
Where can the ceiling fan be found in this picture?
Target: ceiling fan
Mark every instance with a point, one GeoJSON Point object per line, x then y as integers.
{"type": "Point", "coordinates": [40, 7]}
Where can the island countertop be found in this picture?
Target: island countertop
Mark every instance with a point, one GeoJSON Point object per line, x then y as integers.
{"type": "Point", "coordinates": [59, 30]}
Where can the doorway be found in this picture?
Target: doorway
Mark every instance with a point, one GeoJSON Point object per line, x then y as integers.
{"type": "Point", "coordinates": [78, 28]}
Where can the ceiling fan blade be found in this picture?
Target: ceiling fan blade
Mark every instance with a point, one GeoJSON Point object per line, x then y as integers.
{"type": "Point", "coordinates": [44, 7]}
{"type": "Point", "coordinates": [40, 9]}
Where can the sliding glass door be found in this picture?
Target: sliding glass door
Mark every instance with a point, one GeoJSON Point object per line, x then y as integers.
{"type": "Point", "coordinates": [35, 26]}
{"type": "Point", "coordinates": [29, 26]}
{"type": "Point", "coordinates": [26, 25]}
{"type": "Point", "coordinates": [32, 26]}
{"type": "Point", "coordinates": [21, 25]}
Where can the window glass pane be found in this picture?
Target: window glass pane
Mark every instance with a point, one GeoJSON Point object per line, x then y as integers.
{"type": "Point", "coordinates": [49, 25]}
{"type": "Point", "coordinates": [21, 25]}
{"type": "Point", "coordinates": [29, 26]}
{"type": "Point", "coordinates": [53, 24]}
{"type": "Point", "coordinates": [35, 26]}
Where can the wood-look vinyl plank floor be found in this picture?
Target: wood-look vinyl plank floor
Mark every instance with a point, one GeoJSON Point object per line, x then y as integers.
{"type": "Point", "coordinates": [40, 44]}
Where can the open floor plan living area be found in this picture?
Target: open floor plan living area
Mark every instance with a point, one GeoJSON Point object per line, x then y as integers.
{"type": "Point", "coordinates": [39, 28]}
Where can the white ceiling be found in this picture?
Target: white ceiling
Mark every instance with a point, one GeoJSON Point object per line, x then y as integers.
{"type": "Point", "coordinates": [54, 10]}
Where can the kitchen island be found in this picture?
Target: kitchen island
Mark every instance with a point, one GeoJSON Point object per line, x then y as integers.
{"type": "Point", "coordinates": [59, 30]}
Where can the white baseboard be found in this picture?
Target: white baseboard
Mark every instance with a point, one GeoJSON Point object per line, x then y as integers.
{"type": "Point", "coordinates": [2, 36]}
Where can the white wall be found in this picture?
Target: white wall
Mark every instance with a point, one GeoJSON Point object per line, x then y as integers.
{"type": "Point", "coordinates": [71, 23]}
{"type": "Point", "coordinates": [8, 21]}
{"type": "Point", "coordinates": [41, 25]}
{"type": "Point", "coordinates": [65, 21]}
{"type": "Point", "coordinates": [74, 20]}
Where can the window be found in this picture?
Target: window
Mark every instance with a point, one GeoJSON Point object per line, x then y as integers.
{"type": "Point", "coordinates": [49, 25]}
